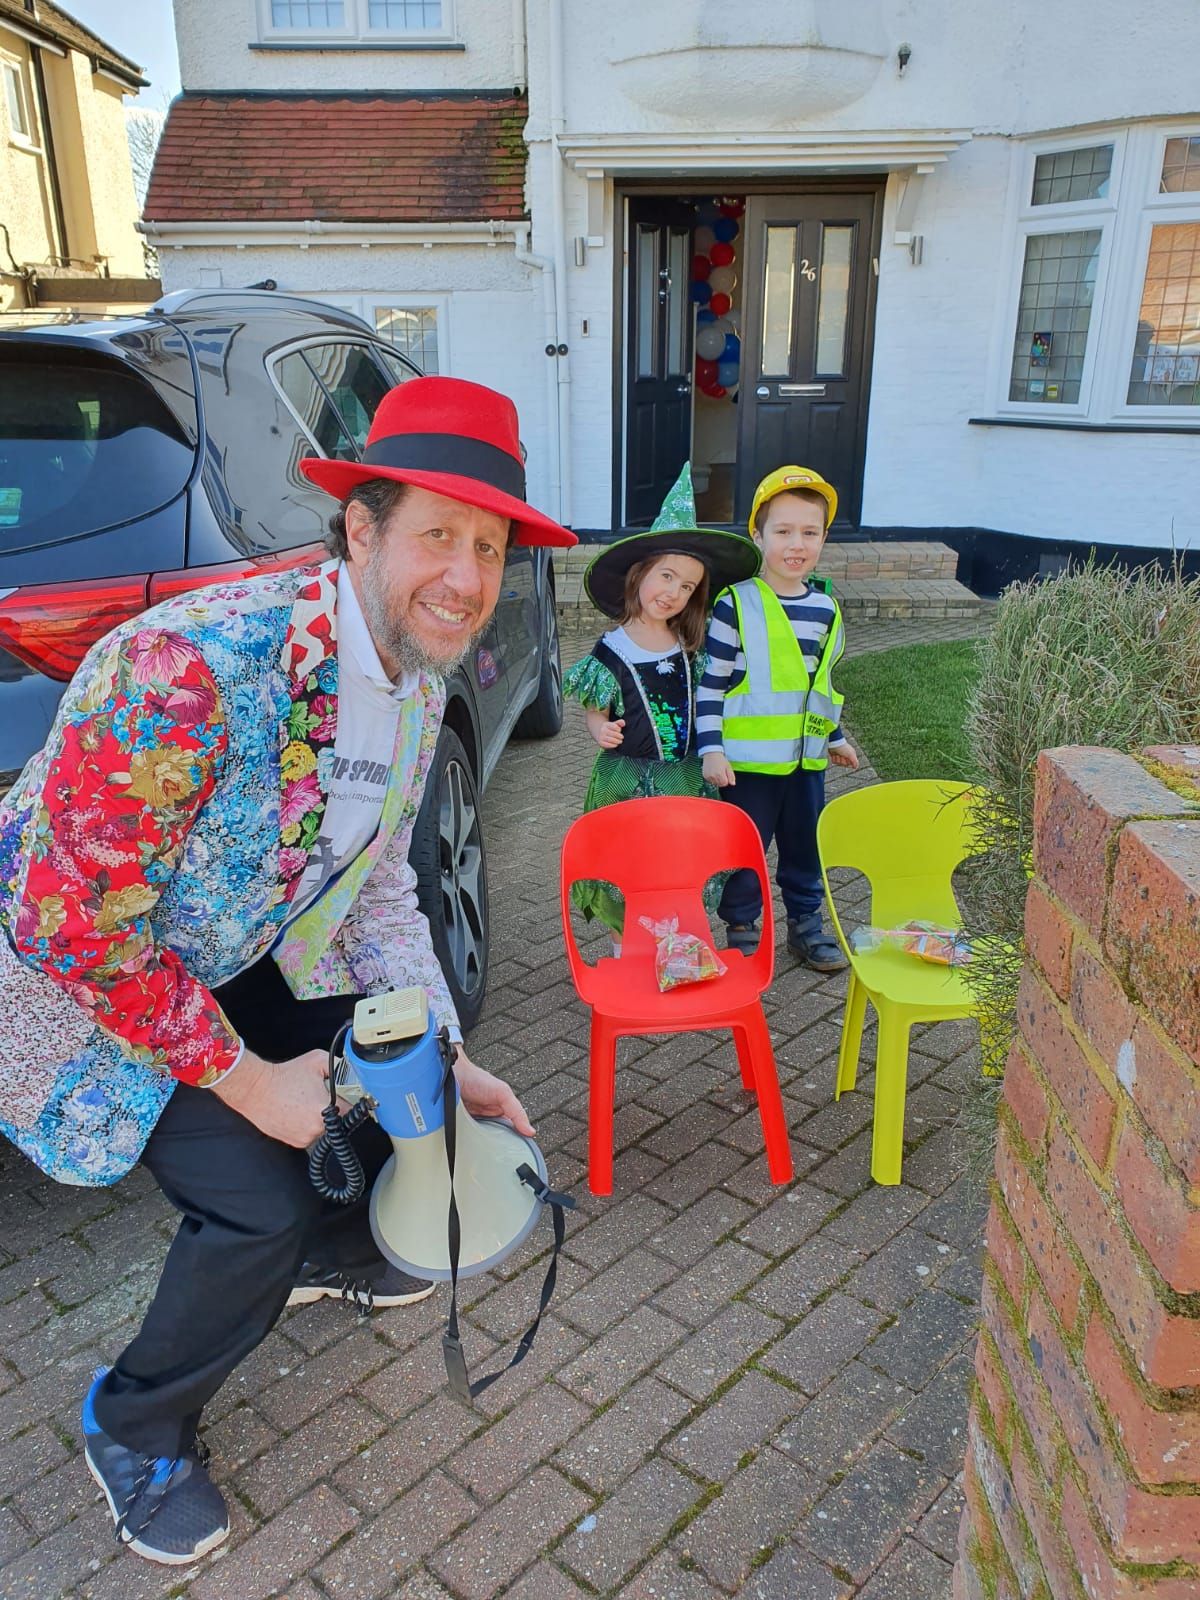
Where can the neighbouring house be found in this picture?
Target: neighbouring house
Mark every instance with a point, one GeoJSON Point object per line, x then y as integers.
{"type": "Point", "coordinates": [68, 216]}
{"type": "Point", "coordinates": [947, 254]}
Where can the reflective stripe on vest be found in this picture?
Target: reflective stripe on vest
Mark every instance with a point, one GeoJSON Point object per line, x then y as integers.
{"type": "Point", "coordinates": [777, 719]}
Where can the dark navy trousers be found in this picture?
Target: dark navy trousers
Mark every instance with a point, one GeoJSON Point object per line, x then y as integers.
{"type": "Point", "coordinates": [784, 809]}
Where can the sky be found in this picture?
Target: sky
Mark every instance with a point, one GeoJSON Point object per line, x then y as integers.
{"type": "Point", "coordinates": [143, 31]}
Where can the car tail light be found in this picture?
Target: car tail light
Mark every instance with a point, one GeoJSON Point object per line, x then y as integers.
{"type": "Point", "coordinates": [52, 626]}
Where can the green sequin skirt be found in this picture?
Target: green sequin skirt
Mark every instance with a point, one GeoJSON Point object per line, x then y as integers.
{"type": "Point", "coordinates": [616, 777]}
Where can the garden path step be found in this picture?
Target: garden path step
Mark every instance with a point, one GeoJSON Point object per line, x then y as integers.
{"type": "Point", "coordinates": [896, 579]}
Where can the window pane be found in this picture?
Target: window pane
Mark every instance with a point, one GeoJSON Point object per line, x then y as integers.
{"type": "Point", "coordinates": [399, 16]}
{"type": "Point", "coordinates": [16, 101]}
{"type": "Point", "coordinates": [84, 444]}
{"type": "Point", "coordinates": [646, 310]}
{"type": "Point", "coordinates": [1166, 352]}
{"type": "Point", "coordinates": [355, 384]}
{"type": "Point", "coordinates": [833, 301]}
{"type": "Point", "coordinates": [1181, 166]}
{"type": "Point", "coordinates": [779, 293]}
{"type": "Point", "coordinates": [308, 401]}
{"type": "Point", "coordinates": [308, 13]}
{"type": "Point", "coordinates": [413, 330]}
{"type": "Point", "coordinates": [678, 304]}
{"type": "Point", "coordinates": [1057, 287]}
{"type": "Point", "coordinates": [1072, 175]}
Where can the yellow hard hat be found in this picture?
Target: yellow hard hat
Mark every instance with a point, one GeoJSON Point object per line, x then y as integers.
{"type": "Point", "coordinates": [793, 478]}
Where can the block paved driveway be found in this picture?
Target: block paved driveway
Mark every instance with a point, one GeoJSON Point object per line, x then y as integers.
{"type": "Point", "coordinates": [740, 1390]}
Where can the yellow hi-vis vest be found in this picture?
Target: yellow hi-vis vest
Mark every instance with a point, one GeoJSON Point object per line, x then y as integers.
{"type": "Point", "coordinates": [777, 719]}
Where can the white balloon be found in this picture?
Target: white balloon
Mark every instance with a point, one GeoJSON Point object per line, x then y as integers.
{"type": "Point", "coordinates": [734, 320]}
{"type": "Point", "coordinates": [703, 240]}
{"type": "Point", "coordinates": [710, 340]}
{"type": "Point", "coordinates": [722, 280]}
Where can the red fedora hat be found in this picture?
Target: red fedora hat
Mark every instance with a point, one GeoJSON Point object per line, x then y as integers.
{"type": "Point", "coordinates": [456, 438]}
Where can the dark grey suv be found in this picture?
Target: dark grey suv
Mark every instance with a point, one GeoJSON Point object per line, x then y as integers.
{"type": "Point", "coordinates": [141, 456]}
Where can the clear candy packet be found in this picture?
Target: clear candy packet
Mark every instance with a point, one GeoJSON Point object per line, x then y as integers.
{"type": "Point", "coordinates": [946, 947]}
{"type": "Point", "coordinates": [681, 958]}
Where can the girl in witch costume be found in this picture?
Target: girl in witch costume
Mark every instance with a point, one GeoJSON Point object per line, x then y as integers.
{"type": "Point", "coordinates": [638, 683]}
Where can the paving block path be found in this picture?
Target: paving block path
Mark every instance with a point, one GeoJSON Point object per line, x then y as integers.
{"type": "Point", "coordinates": [739, 1390]}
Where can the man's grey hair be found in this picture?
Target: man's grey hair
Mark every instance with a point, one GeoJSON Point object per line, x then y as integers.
{"type": "Point", "coordinates": [377, 496]}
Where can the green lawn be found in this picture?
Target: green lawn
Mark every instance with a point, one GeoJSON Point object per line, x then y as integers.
{"type": "Point", "coordinates": [905, 707]}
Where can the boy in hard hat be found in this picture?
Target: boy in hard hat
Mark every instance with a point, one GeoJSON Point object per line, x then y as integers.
{"type": "Point", "coordinates": [767, 714]}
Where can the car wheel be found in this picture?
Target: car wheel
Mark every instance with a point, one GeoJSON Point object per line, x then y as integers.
{"type": "Point", "coordinates": [542, 718]}
{"type": "Point", "coordinates": [447, 855]}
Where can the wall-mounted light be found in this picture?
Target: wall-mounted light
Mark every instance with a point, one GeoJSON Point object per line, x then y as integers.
{"type": "Point", "coordinates": [903, 57]}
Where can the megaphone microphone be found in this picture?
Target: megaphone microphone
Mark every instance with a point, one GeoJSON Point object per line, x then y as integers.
{"type": "Point", "coordinates": [458, 1194]}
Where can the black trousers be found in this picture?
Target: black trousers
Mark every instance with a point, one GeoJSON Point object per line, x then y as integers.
{"type": "Point", "coordinates": [250, 1219]}
{"type": "Point", "coordinates": [786, 809]}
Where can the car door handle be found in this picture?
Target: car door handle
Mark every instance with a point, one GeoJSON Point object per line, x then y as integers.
{"type": "Point", "coordinates": [792, 389]}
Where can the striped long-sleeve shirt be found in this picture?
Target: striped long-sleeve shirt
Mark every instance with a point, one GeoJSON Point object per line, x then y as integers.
{"type": "Point", "coordinates": [811, 616]}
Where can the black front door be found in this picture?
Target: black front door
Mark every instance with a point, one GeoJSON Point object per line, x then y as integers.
{"type": "Point", "coordinates": [807, 314]}
{"type": "Point", "coordinates": [658, 411]}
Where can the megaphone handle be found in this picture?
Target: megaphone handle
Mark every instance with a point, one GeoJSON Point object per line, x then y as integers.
{"type": "Point", "coordinates": [452, 1350]}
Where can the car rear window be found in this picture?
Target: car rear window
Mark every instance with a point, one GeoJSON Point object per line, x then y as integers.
{"type": "Point", "coordinates": [84, 444]}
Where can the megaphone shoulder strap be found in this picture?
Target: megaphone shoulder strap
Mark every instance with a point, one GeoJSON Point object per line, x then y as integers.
{"type": "Point", "coordinates": [452, 1350]}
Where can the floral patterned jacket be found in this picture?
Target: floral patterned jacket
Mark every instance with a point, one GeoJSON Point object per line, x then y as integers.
{"type": "Point", "coordinates": [152, 850]}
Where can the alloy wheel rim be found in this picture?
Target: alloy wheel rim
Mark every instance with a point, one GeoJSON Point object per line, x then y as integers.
{"type": "Point", "coordinates": [463, 883]}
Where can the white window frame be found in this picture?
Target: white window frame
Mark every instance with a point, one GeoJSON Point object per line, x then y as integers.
{"type": "Point", "coordinates": [14, 72]}
{"type": "Point", "coordinates": [366, 305]}
{"type": "Point", "coordinates": [1126, 217]}
{"type": "Point", "coordinates": [1064, 216]}
{"type": "Point", "coordinates": [356, 29]}
{"type": "Point", "coordinates": [1155, 208]}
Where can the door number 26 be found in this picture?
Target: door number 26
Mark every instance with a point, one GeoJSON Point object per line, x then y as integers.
{"type": "Point", "coordinates": [807, 270]}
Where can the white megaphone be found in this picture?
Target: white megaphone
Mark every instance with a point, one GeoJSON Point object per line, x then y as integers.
{"type": "Point", "coordinates": [458, 1194]}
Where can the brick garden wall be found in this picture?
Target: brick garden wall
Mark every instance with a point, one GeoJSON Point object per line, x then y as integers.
{"type": "Point", "coordinates": [1083, 1456]}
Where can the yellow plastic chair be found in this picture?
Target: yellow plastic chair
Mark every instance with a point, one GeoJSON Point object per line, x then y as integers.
{"type": "Point", "coordinates": [906, 839]}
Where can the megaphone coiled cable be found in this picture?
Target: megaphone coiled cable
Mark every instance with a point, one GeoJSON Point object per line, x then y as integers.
{"type": "Point", "coordinates": [333, 1150]}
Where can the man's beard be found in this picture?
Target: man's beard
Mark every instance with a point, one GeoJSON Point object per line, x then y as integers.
{"type": "Point", "coordinates": [392, 638]}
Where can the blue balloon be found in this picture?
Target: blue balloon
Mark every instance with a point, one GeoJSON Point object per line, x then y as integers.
{"type": "Point", "coordinates": [727, 373]}
{"type": "Point", "coordinates": [706, 315]}
{"type": "Point", "coordinates": [708, 211]}
{"type": "Point", "coordinates": [733, 349]}
{"type": "Point", "coordinates": [700, 292]}
{"type": "Point", "coordinates": [725, 229]}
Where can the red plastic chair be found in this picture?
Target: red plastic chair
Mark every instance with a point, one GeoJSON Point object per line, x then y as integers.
{"type": "Point", "coordinates": [660, 853]}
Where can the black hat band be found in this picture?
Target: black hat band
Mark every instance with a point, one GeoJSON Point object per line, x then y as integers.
{"type": "Point", "coordinates": [451, 453]}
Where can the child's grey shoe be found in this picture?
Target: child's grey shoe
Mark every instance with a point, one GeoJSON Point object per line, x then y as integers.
{"type": "Point", "coordinates": [808, 940]}
{"type": "Point", "coordinates": [742, 936]}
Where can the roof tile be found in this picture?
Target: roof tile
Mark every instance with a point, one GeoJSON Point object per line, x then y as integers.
{"type": "Point", "coordinates": [390, 158]}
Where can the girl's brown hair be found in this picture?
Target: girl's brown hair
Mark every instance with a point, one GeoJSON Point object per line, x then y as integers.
{"type": "Point", "coordinates": [689, 626]}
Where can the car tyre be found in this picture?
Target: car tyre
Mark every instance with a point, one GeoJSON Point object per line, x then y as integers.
{"type": "Point", "coordinates": [543, 717]}
{"type": "Point", "coordinates": [447, 855]}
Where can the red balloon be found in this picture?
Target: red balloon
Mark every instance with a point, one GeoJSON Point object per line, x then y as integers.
{"type": "Point", "coordinates": [720, 255]}
{"type": "Point", "coordinates": [714, 391]}
{"type": "Point", "coordinates": [701, 267]}
{"type": "Point", "coordinates": [706, 372]}
{"type": "Point", "coordinates": [720, 304]}
{"type": "Point", "coordinates": [732, 208]}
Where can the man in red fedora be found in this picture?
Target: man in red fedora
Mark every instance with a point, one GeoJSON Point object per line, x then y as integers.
{"type": "Point", "coordinates": [199, 875]}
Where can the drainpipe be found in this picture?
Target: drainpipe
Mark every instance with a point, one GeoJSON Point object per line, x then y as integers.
{"type": "Point", "coordinates": [558, 204]}
{"type": "Point", "coordinates": [52, 174]}
{"type": "Point", "coordinates": [550, 323]}
{"type": "Point", "coordinates": [519, 69]}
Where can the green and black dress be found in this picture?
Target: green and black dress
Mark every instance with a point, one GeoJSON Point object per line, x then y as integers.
{"type": "Point", "coordinates": [654, 691]}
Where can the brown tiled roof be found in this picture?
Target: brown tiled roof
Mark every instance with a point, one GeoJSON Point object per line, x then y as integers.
{"type": "Point", "coordinates": [49, 22]}
{"type": "Point", "coordinates": [343, 158]}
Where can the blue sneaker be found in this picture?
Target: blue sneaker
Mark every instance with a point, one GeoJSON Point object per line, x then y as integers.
{"type": "Point", "coordinates": [168, 1511]}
